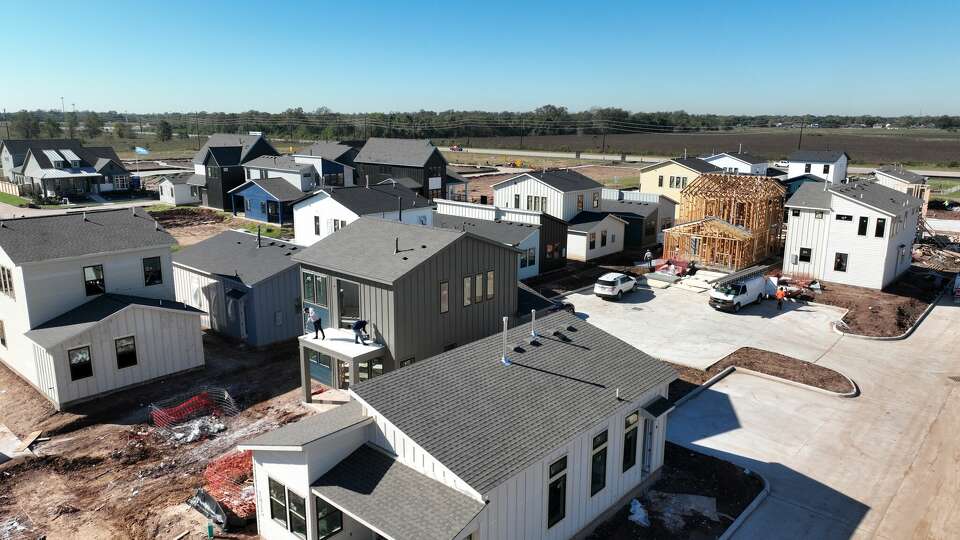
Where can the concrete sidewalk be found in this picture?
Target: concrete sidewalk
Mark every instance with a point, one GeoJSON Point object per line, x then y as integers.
{"type": "Point", "coordinates": [883, 465]}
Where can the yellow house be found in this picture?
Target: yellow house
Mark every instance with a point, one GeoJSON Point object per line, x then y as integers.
{"type": "Point", "coordinates": [669, 177]}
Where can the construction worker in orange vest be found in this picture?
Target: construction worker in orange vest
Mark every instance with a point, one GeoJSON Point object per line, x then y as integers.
{"type": "Point", "coordinates": [781, 294]}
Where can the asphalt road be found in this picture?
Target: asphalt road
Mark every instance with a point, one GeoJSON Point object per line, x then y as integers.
{"type": "Point", "coordinates": [653, 159]}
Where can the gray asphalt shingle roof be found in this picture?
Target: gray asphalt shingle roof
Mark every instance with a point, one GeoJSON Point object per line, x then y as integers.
{"type": "Point", "coordinates": [198, 180]}
{"type": "Point", "coordinates": [278, 188]}
{"type": "Point", "coordinates": [697, 164]}
{"type": "Point", "coordinates": [305, 431]}
{"type": "Point", "coordinates": [902, 174]}
{"type": "Point", "coordinates": [235, 254]}
{"type": "Point", "coordinates": [747, 158]}
{"type": "Point", "coordinates": [816, 156]}
{"type": "Point", "coordinates": [88, 315]}
{"type": "Point", "coordinates": [486, 421]}
{"type": "Point", "coordinates": [366, 248]}
{"type": "Point", "coordinates": [624, 207]}
{"type": "Point", "coordinates": [566, 180]}
{"type": "Point", "coordinates": [584, 221]}
{"type": "Point", "coordinates": [395, 499]}
{"type": "Point", "coordinates": [327, 150]}
{"type": "Point", "coordinates": [42, 238]}
{"type": "Point", "coordinates": [279, 163]}
{"type": "Point", "coordinates": [891, 201]}
{"type": "Point", "coordinates": [227, 149]}
{"type": "Point", "coordinates": [508, 232]}
{"type": "Point", "coordinates": [810, 195]}
{"type": "Point", "coordinates": [376, 199]}
{"type": "Point", "coordinates": [178, 179]}
{"type": "Point", "coordinates": [402, 152]}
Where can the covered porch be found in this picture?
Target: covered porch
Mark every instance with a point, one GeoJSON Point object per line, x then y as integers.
{"type": "Point", "coordinates": [337, 362]}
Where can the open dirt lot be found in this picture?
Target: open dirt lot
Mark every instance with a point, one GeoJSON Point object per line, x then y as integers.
{"type": "Point", "coordinates": [189, 225]}
{"type": "Point", "coordinates": [108, 473]}
{"type": "Point", "coordinates": [678, 326]}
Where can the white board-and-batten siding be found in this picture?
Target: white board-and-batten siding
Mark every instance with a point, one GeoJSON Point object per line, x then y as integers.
{"type": "Point", "coordinates": [806, 231]}
{"type": "Point", "coordinates": [167, 341]}
{"type": "Point", "coordinates": [198, 290]}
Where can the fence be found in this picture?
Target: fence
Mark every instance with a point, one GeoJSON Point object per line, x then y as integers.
{"type": "Point", "coordinates": [9, 188]}
{"type": "Point", "coordinates": [171, 413]}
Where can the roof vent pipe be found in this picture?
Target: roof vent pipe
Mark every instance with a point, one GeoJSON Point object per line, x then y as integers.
{"type": "Point", "coordinates": [133, 210]}
{"type": "Point", "coordinates": [399, 209]}
{"type": "Point", "coordinates": [84, 215]}
{"type": "Point", "coordinates": [618, 393]}
{"type": "Point", "coordinates": [533, 323]}
{"type": "Point", "coordinates": [396, 245]}
{"type": "Point", "coordinates": [368, 181]}
{"type": "Point", "coordinates": [258, 237]}
{"type": "Point", "coordinates": [503, 358]}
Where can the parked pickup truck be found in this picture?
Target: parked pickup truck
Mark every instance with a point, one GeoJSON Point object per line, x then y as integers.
{"type": "Point", "coordinates": [732, 296]}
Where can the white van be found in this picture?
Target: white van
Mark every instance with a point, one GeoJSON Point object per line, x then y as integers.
{"type": "Point", "coordinates": [736, 294]}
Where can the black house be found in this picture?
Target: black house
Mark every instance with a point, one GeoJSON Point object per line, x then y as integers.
{"type": "Point", "coordinates": [414, 163]}
{"type": "Point", "coordinates": [218, 166]}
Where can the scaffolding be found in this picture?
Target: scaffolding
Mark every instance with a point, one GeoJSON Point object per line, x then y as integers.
{"type": "Point", "coordinates": [728, 222]}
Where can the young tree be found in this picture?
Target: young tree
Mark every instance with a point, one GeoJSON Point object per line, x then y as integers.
{"type": "Point", "coordinates": [72, 124]}
{"type": "Point", "coordinates": [121, 130]}
{"type": "Point", "coordinates": [164, 131]}
{"type": "Point", "coordinates": [51, 128]}
{"type": "Point", "coordinates": [92, 125]}
{"type": "Point", "coordinates": [26, 124]}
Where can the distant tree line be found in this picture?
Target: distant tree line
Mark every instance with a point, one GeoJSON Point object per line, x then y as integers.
{"type": "Point", "coordinates": [295, 123]}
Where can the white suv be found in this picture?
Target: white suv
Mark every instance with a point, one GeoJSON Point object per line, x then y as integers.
{"type": "Point", "coordinates": [613, 285]}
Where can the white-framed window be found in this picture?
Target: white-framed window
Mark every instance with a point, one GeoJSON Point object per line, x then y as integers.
{"type": "Point", "coordinates": [598, 463]}
{"type": "Point", "coordinates": [489, 284]}
{"type": "Point", "coordinates": [316, 225]}
{"type": "Point", "coordinates": [557, 492]}
{"type": "Point", "coordinates": [467, 294]}
{"type": "Point", "coordinates": [287, 508]}
{"type": "Point", "coordinates": [630, 436]}
{"type": "Point", "coordinates": [81, 364]}
{"type": "Point", "coordinates": [6, 282]}
{"type": "Point", "coordinates": [329, 519]}
{"type": "Point", "coordinates": [3, 335]}
{"type": "Point", "coordinates": [444, 296]}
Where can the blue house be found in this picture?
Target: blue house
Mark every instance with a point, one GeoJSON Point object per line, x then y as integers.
{"type": "Point", "coordinates": [266, 199]}
{"type": "Point", "coordinates": [248, 287]}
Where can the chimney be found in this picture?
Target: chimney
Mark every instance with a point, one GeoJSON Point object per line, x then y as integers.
{"type": "Point", "coordinates": [258, 237]}
{"type": "Point", "coordinates": [503, 358]}
{"type": "Point", "coordinates": [533, 323]}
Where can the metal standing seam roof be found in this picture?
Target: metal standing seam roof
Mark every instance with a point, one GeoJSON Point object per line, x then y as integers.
{"type": "Point", "coordinates": [32, 239]}
{"type": "Point", "coordinates": [235, 255]}
{"type": "Point", "coordinates": [298, 434]}
{"type": "Point", "coordinates": [395, 499]}
{"type": "Point", "coordinates": [564, 180]}
{"type": "Point", "coordinates": [366, 248]}
{"type": "Point", "coordinates": [278, 188]}
{"type": "Point", "coordinates": [817, 156]}
{"type": "Point", "coordinates": [486, 421]}
{"type": "Point", "coordinates": [584, 221]}
{"type": "Point", "coordinates": [401, 152]}
{"type": "Point", "coordinates": [902, 174]}
{"type": "Point", "coordinates": [507, 232]}
{"type": "Point", "coordinates": [88, 315]}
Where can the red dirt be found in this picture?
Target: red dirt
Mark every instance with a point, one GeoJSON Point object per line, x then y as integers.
{"type": "Point", "coordinates": [766, 362]}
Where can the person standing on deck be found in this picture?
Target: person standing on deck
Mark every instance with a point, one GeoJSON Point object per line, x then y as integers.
{"type": "Point", "coordinates": [317, 323]}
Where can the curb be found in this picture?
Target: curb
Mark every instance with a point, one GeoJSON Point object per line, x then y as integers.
{"type": "Point", "coordinates": [742, 518]}
{"type": "Point", "coordinates": [905, 335]}
{"type": "Point", "coordinates": [707, 384]}
{"type": "Point", "coordinates": [851, 394]}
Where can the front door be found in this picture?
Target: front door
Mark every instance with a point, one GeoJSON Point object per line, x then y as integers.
{"type": "Point", "coordinates": [273, 212]}
{"type": "Point", "coordinates": [348, 297]}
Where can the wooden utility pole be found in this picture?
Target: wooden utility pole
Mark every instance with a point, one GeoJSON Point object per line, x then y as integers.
{"type": "Point", "coordinates": [521, 132]}
{"type": "Point", "coordinates": [196, 117]}
{"type": "Point", "coordinates": [800, 140]}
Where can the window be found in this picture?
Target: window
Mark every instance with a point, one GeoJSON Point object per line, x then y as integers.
{"type": "Point", "coordinates": [315, 289]}
{"type": "Point", "coordinates": [516, 200]}
{"type": "Point", "coordinates": [557, 492]}
{"type": "Point", "coordinates": [152, 271]}
{"type": "Point", "coordinates": [444, 296]}
{"type": "Point", "coordinates": [881, 225]}
{"type": "Point", "coordinates": [81, 366]}
{"type": "Point", "coordinates": [580, 202]}
{"type": "Point", "coordinates": [6, 282]}
{"type": "Point", "coordinates": [603, 238]}
{"type": "Point", "coordinates": [536, 204]}
{"type": "Point", "coordinates": [368, 369]}
{"type": "Point", "coordinates": [478, 293]}
{"type": "Point", "coordinates": [93, 280]}
{"type": "Point", "coordinates": [529, 202]}
{"type": "Point", "coordinates": [807, 167]}
{"type": "Point", "coordinates": [287, 508]}
{"type": "Point", "coordinates": [596, 199]}
{"type": "Point", "coordinates": [316, 225]}
{"type": "Point", "coordinates": [598, 464]}
{"type": "Point", "coordinates": [329, 519]}
{"type": "Point", "coordinates": [660, 181]}
{"type": "Point", "coordinates": [672, 183]}
{"type": "Point", "coordinates": [466, 291]}
{"type": "Point", "coordinates": [246, 173]}
{"type": "Point", "coordinates": [630, 440]}
{"type": "Point", "coordinates": [795, 213]}
{"type": "Point", "coordinates": [126, 352]}
{"type": "Point", "coordinates": [613, 238]}
{"type": "Point", "coordinates": [826, 169]}
{"type": "Point", "coordinates": [543, 204]}
{"type": "Point", "coordinates": [684, 182]}
{"type": "Point", "coordinates": [840, 262]}
{"type": "Point", "coordinates": [805, 254]}
{"type": "Point", "coordinates": [818, 215]}
{"type": "Point", "coordinates": [263, 207]}
{"type": "Point", "coordinates": [862, 226]}
{"type": "Point", "coordinates": [407, 362]}
{"type": "Point", "coordinates": [490, 283]}
{"type": "Point", "coordinates": [339, 224]}
{"type": "Point", "coordinates": [528, 257]}
{"type": "Point", "coordinates": [523, 260]}
{"type": "Point", "coordinates": [3, 335]}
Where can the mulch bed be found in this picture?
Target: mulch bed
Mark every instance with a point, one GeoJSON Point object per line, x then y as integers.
{"type": "Point", "coordinates": [187, 216]}
{"type": "Point", "coordinates": [889, 312]}
{"type": "Point", "coordinates": [688, 472]}
{"type": "Point", "coordinates": [766, 362]}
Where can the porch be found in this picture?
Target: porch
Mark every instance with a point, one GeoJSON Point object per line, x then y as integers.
{"type": "Point", "coordinates": [337, 361]}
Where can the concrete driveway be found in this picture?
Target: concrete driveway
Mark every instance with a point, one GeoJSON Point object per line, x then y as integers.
{"type": "Point", "coordinates": [883, 465]}
{"type": "Point", "coordinates": [678, 325]}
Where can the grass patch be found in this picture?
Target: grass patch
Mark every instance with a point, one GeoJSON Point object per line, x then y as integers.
{"type": "Point", "coordinates": [13, 200]}
{"type": "Point", "coordinates": [159, 207]}
{"type": "Point", "coordinates": [269, 231]}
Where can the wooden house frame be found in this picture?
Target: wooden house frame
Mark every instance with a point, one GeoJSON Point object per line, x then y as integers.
{"type": "Point", "coordinates": [727, 221]}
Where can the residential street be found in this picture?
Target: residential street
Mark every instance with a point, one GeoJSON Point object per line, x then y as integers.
{"type": "Point", "coordinates": [882, 465]}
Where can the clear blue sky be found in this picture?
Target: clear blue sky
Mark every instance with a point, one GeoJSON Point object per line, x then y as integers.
{"type": "Point", "coordinates": [751, 57]}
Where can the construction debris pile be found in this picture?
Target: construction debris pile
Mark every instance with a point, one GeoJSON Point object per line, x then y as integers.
{"type": "Point", "coordinates": [945, 258]}
{"type": "Point", "coordinates": [229, 480]}
{"type": "Point", "coordinates": [196, 417]}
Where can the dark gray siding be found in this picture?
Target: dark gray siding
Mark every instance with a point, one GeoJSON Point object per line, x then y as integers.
{"type": "Point", "coordinates": [422, 331]}
{"type": "Point", "coordinates": [552, 230]}
{"type": "Point", "coordinates": [279, 293]}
